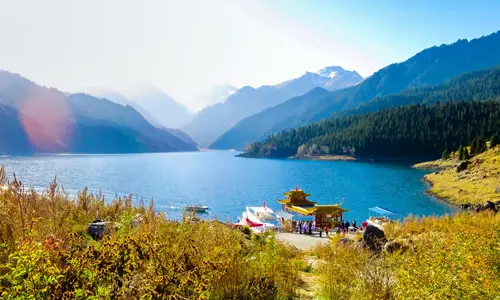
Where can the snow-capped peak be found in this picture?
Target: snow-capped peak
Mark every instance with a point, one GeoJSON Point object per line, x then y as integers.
{"type": "Point", "coordinates": [331, 71]}
{"type": "Point", "coordinates": [332, 74]}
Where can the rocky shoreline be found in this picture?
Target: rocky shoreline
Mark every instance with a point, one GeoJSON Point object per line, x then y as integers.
{"type": "Point", "coordinates": [471, 184]}
{"type": "Point", "coordinates": [488, 205]}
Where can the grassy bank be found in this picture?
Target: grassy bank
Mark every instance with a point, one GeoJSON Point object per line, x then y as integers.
{"type": "Point", "coordinates": [478, 183]}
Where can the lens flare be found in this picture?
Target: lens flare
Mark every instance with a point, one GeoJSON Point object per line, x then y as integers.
{"type": "Point", "coordinates": [47, 120]}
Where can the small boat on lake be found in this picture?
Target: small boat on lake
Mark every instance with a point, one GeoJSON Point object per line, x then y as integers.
{"type": "Point", "coordinates": [197, 208]}
{"type": "Point", "coordinates": [380, 216]}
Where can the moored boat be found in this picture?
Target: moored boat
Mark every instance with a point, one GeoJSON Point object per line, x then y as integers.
{"type": "Point", "coordinates": [197, 208]}
{"type": "Point", "coordinates": [380, 216]}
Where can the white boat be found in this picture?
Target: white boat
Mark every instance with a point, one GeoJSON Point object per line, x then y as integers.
{"type": "Point", "coordinates": [197, 208]}
{"type": "Point", "coordinates": [262, 213]}
{"type": "Point", "coordinates": [259, 218]}
{"type": "Point", "coordinates": [380, 216]}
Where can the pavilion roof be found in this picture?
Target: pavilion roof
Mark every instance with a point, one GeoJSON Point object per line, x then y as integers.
{"type": "Point", "coordinates": [301, 210]}
{"type": "Point", "coordinates": [329, 209]}
{"type": "Point", "coordinates": [299, 202]}
{"type": "Point", "coordinates": [296, 193]}
{"type": "Point", "coordinates": [297, 197]}
{"type": "Point", "coordinates": [332, 209]}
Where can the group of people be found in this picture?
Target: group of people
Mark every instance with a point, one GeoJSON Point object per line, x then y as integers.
{"type": "Point", "coordinates": [309, 227]}
{"type": "Point", "coordinates": [306, 227]}
{"type": "Point", "coordinates": [346, 226]}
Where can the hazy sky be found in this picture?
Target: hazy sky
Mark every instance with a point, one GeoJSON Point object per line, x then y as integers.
{"type": "Point", "coordinates": [185, 47]}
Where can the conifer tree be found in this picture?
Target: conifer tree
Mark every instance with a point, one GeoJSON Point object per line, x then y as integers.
{"type": "Point", "coordinates": [495, 140]}
{"type": "Point", "coordinates": [465, 154]}
{"type": "Point", "coordinates": [480, 145]}
{"type": "Point", "coordinates": [446, 154]}
{"type": "Point", "coordinates": [461, 152]}
{"type": "Point", "coordinates": [473, 146]}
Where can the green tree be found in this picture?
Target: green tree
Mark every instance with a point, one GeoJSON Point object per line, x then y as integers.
{"type": "Point", "coordinates": [473, 146]}
{"type": "Point", "coordinates": [495, 140]}
{"type": "Point", "coordinates": [446, 154]}
{"type": "Point", "coordinates": [465, 153]}
{"type": "Point", "coordinates": [461, 152]}
{"type": "Point", "coordinates": [480, 145]}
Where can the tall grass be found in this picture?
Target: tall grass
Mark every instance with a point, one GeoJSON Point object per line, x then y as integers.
{"type": "Point", "coordinates": [45, 252]}
{"type": "Point", "coordinates": [441, 258]}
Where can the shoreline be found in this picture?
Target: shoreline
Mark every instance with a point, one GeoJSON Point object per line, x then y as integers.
{"type": "Point", "coordinates": [410, 160]}
{"type": "Point", "coordinates": [473, 183]}
{"type": "Point", "coordinates": [325, 157]}
{"type": "Point", "coordinates": [429, 192]}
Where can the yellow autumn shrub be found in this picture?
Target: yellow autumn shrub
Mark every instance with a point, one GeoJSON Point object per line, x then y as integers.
{"type": "Point", "coordinates": [45, 252]}
{"type": "Point", "coordinates": [449, 257]}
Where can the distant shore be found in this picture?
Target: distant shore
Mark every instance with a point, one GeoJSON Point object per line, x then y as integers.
{"type": "Point", "coordinates": [435, 164]}
{"type": "Point", "coordinates": [325, 157]}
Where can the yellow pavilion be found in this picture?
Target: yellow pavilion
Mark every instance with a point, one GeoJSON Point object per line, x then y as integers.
{"type": "Point", "coordinates": [324, 215]}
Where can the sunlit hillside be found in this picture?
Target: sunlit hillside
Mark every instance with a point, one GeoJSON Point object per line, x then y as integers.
{"type": "Point", "coordinates": [478, 183]}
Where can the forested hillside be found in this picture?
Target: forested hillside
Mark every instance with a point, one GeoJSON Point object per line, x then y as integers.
{"type": "Point", "coordinates": [479, 85]}
{"type": "Point", "coordinates": [429, 67]}
{"type": "Point", "coordinates": [409, 131]}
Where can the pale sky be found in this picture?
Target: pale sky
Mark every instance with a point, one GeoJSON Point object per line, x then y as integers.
{"type": "Point", "coordinates": [186, 47]}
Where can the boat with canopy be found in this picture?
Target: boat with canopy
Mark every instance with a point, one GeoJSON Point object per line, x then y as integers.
{"type": "Point", "coordinates": [380, 216]}
{"type": "Point", "coordinates": [197, 208]}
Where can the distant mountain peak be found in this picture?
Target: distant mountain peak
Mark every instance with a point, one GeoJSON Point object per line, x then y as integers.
{"type": "Point", "coordinates": [327, 71]}
{"type": "Point", "coordinates": [158, 105]}
{"type": "Point", "coordinates": [333, 71]}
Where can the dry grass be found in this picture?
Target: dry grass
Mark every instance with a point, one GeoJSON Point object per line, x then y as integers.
{"type": "Point", "coordinates": [444, 258]}
{"type": "Point", "coordinates": [439, 164]}
{"type": "Point", "coordinates": [476, 185]}
{"type": "Point", "coordinates": [45, 253]}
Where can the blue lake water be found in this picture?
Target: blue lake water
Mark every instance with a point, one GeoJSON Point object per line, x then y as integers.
{"type": "Point", "coordinates": [227, 184]}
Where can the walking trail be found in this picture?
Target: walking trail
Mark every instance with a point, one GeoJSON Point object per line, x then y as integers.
{"type": "Point", "coordinates": [309, 278]}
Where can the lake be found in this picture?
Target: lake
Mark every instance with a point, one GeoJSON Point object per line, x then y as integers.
{"type": "Point", "coordinates": [227, 184]}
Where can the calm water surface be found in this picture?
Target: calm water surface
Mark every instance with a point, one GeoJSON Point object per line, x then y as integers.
{"type": "Point", "coordinates": [227, 184]}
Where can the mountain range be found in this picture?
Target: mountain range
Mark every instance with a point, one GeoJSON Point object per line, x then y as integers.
{"type": "Point", "coordinates": [213, 121]}
{"type": "Point", "coordinates": [40, 119]}
{"type": "Point", "coordinates": [430, 66]}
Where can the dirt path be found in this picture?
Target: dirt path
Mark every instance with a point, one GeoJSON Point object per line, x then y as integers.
{"type": "Point", "coordinates": [301, 241]}
{"type": "Point", "coordinates": [309, 279]}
